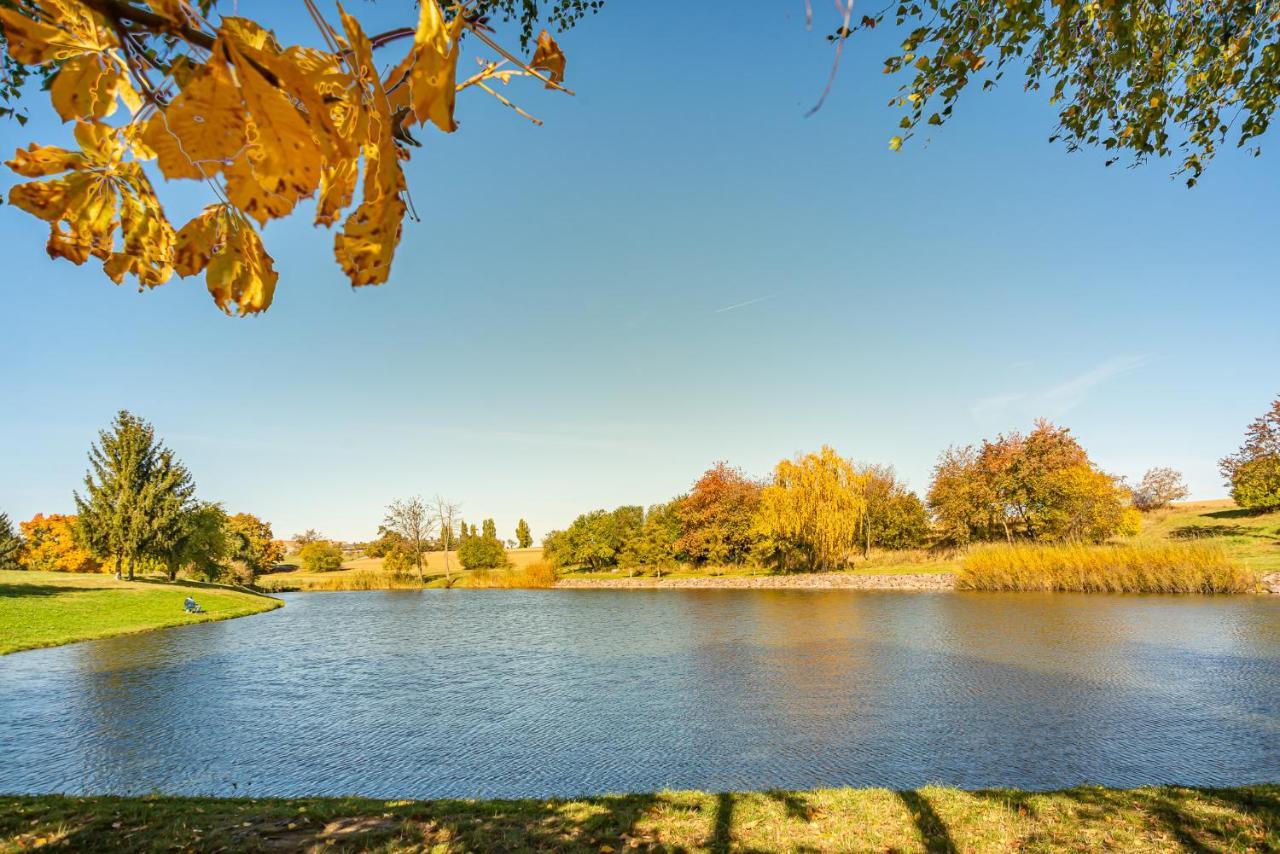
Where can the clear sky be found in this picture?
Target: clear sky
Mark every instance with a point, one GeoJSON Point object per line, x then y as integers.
{"type": "Point", "coordinates": [679, 267]}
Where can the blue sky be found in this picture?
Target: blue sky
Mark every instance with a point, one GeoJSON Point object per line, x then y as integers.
{"type": "Point", "coordinates": [678, 267]}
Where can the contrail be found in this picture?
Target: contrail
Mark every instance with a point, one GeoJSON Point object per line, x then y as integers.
{"type": "Point", "coordinates": [741, 304]}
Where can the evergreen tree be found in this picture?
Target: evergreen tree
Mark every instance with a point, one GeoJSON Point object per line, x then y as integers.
{"type": "Point", "coordinates": [462, 532]}
{"type": "Point", "coordinates": [10, 543]}
{"type": "Point", "coordinates": [524, 539]}
{"type": "Point", "coordinates": [136, 494]}
{"type": "Point", "coordinates": [489, 530]}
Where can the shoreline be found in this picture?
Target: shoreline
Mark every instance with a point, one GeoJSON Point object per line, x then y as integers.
{"type": "Point", "coordinates": [932, 818]}
{"type": "Point", "coordinates": [915, 581]}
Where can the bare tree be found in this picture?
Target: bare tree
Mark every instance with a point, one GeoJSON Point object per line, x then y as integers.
{"type": "Point", "coordinates": [445, 511]}
{"type": "Point", "coordinates": [1159, 487]}
{"type": "Point", "coordinates": [411, 518]}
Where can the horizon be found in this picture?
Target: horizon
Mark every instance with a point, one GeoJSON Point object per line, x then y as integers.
{"type": "Point", "coordinates": [677, 268]}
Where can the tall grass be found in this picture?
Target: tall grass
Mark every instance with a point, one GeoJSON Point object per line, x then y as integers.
{"type": "Point", "coordinates": [1129, 568]}
{"type": "Point", "coordinates": [361, 579]}
{"type": "Point", "coordinates": [538, 574]}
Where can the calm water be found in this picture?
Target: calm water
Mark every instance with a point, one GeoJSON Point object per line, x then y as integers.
{"type": "Point", "coordinates": [522, 693]}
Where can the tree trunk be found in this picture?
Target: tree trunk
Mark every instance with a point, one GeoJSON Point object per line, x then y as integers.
{"type": "Point", "coordinates": [131, 567]}
{"type": "Point", "coordinates": [119, 561]}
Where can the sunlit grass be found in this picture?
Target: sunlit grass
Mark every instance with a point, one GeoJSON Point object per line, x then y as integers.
{"type": "Point", "coordinates": [52, 608]}
{"type": "Point", "coordinates": [930, 819]}
{"type": "Point", "coordinates": [540, 574]}
{"type": "Point", "coordinates": [1138, 567]}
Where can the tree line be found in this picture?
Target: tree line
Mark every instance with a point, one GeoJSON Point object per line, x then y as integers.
{"type": "Point", "coordinates": [138, 511]}
{"type": "Point", "coordinates": [822, 511]}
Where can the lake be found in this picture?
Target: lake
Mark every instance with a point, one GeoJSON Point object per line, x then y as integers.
{"type": "Point", "coordinates": [433, 693]}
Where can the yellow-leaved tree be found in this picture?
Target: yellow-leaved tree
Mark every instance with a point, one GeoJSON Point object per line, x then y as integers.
{"type": "Point", "coordinates": [218, 99]}
{"type": "Point", "coordinates": [811, 514]}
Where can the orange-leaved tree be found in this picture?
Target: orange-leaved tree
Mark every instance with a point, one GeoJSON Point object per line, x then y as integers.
{"type": "Point", "coordinates": [50, 544]}
{"type": "Point", "coordinates": [218, 99]}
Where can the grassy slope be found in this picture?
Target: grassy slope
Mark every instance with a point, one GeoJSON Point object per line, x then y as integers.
{"type": "Point", "coordinates": [1254, 539]}
{"type": "Point", "coordinates": [929, 819]}
{"type": "Point", "coordinates": [51, 608]}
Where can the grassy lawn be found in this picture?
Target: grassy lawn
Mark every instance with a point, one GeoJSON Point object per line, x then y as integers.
{"type": "Point", "coordinates": [923, 820]}
{"type": "Point", "coordinates": [51, 608]}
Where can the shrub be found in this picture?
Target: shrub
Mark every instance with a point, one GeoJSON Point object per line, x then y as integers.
{"type": "Point", "coordinates": [1159, 488]}
{"type": "Point", "coordinates": [1255, 485]}
{"type": "Point", "coordinates": [482, 553]}
{"type": "Point", "coordinates": [320, 556]}
{"type": "Point", "coordinates": [540, 574]}
{"type": "Point", "coordinates": [1136, 568]}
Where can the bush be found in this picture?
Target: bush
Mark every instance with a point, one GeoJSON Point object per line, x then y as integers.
{"type": "Point", "coordinates": [320, 556]}
{"type": "Point", "coordinates": [1138, 568]}
{"type": "Point", "coordinates": [482, 553]}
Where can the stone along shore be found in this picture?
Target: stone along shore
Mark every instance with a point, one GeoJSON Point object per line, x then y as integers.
{"type": "Point", "coordinates": [800, 581]}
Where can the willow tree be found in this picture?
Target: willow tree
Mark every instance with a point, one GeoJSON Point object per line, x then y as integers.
{"type": "Point", "coordinates": [813, 509]}
{"type": "Point", "coordinates": [219, 100]}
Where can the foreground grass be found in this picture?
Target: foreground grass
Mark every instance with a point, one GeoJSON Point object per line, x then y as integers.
{"type": "Point", "coordinates": [930, 819]}
{"type": "Point", "coordinates": [1135, 567]}
{"type": "Point", "coordinates": [51, 608]}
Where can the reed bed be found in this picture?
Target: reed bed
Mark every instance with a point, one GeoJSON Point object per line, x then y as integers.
{"type": "Point", "coordinates": [361, 579]}
{"type": "Point", "coordinates": [538, 574]}
{"type": "Point", "coordinates": [1128, 568]}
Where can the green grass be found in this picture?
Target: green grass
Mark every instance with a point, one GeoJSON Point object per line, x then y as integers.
{"type": "Point", "coordinates": [1253, 538]}
{"type": "Point", "coordinates": [51, 608]}
{"type": "Point", "coordinates": [931, 819]}
{"type": "Point", "coordinates": [1151, 566]}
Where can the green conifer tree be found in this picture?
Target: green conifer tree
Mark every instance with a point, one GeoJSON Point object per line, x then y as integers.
{"type": "Point", "coordinates": [10, 542]}
{"type": "Point", "coordinates": [523, 538]}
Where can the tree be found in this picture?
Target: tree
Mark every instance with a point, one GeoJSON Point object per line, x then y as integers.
{"type": "Point", "coordinates": [1159, 487]}
{"type": "Point", "coordinates": [387, 542]}
{"type": "Point", "coordinates": [812, 510]}
{"type": "Point", "coordinates": [412, 520]}
{"type": "Point", "coordinates": [10, 544]}
{"type": "Point", "coordinates": [1143, 78]}
{"type": "Point", "coordinates": [320, 556]}
{"type": "Point", "coordinates": [219, 100]}
{"type": "Point", "coordinates": [595, 539]}
{"type": "Point", "coordinates": [445, 511]}
{"type": "Point", "coordinates": [1041, 486]}
{"type": "Point", "coordinates": [895, 518]}
{"type": "Point", "coordinates": [50, 544]}
{"type": "Point", "coordinates": [717, 516]}
{"type": "Point", "coordinates": [201, 545]}
{"type": "Point", "coordinates": [307, 537]}
{"type": "Point", "coordinates": [253, 544]}
{"type": "Point", "coordinates": [482, 553]}
{"type": "Point", "coordinates": [655, 545]}
{"type": "Point", "coordinates": [136, 494]}
{"type": "Point", "coordinates": [524, 539]}
{"type": "Point", "coordinates": [1255, 484]}
{"type": "Point", "coordinates": [489, 529]}
{"type": "Point", "coordinates": [1252, 471]}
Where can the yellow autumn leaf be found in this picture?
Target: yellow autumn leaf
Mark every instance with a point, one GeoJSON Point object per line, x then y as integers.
{"type": "Point", "coordinates": [36, 161]}
{"type": "Point", "coordinates": [241, 277]}
{"type": "Point", "coordinates": [87, 87]}
{"type": "Point", "coordinates": [426, 81]}
{"type": "Point", "coordinates": [549, 58]}
{"type": "Point", "coordinates": [198, 240]}
{"type": "Point", "coordinates": [204, 126]}
{"type": "Point", "coordinates": [895, 143]}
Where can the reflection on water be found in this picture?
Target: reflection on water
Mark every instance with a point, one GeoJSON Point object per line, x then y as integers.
{"type": "Point", "coordinates": [527, 693]}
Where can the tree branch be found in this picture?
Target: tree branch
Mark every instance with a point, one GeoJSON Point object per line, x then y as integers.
{"type": "Point", "coordinates": [148, 20]}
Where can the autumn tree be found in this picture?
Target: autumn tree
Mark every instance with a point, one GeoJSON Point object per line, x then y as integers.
{"type": "Point", "coordinates": [524, 539]}
{"type": "Point", "coordinates": [717, 516]}
{"type": "Point", "coordinates": [10, 544]}
{"type": "Point", "coordinates": [413, 521]}
{"type": "Point", "coordinates": [488, 528]}
{"type": "Point", "coordinates": [1041, 486]}
{"type": "Point", "coordinates": [218, 99]}
{"type": "Point", "coordinates": [811, 513]}
{"type": "Point", "coordinates": [1253, 471]}
{"type": "Point", "coordinates": [444, 511]}
{"type": "Point", "coordinates": [253, 545]}
{"type": "Point", "coordinates": [895, 517]}
{"type": "Point", "coordinates": [1159, 488]}
{"type": "Point", "coordinates": [655, 544]}
{"type": "Point", "coordinates": [482, 552]}
{"type": "Point", "coordinates": [50, 544]}
{"type": "Point", "coordinates": [136, 494]}
{"type": "Point", "coordinates": [200, 543]}
{"type": "Point", "coordinates": [311, 535]}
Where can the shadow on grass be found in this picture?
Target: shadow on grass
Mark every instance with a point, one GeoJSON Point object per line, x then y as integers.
{"type": "Point", "coordinates": [1204, 532]}
{"type": "Point", "coordinates": [18, 591]}
{"type": "Point", "coordinates": [796, 804]}
{"type": "Point", "coordinates": [933, 830]}
{"type": "Point", "coordinates": [1235, 513]}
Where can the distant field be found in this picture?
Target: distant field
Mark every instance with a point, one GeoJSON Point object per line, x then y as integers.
{"type": "Point", "coordinates": [51, 608]}
{"type": "Point", "coordinates": [367, 572]}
